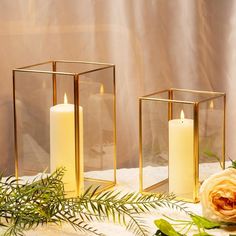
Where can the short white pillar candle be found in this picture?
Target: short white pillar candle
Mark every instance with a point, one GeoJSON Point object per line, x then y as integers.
{"type": "Point", "coordinates": [181, 156]}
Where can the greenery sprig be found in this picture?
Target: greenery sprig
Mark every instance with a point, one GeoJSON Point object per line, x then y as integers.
{"type": "Point", "coordinates": [24, 206]}
{"type": "Point", "coordinates": [201, 223]}
{"type": "Point", "coordinates": [167, 228]}
{"type": "Point", "coordinates": [233, 164]}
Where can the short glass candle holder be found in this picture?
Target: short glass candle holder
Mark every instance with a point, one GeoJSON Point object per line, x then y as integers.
{"type": "Point", "coordinates": [64, 116]}
{"type": "Point", "coordinates": [182, 140]}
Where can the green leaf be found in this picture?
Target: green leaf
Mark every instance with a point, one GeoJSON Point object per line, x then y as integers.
{"type": "Point", "coordinates": [159, 233]}
{"type": "Point", "coordinates": [166, 228]}
{"type": "Point", "coordinates": [233, 164]}
{"type": "Point", "coordinates": [202, 222]}
{"type": "Point", "coordinates": [213, 155]}
{"type": "Point", "coordinates": [203, 234]}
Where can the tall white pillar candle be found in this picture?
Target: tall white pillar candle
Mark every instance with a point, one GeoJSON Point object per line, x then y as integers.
{"type": "Point", "coordinates": [62, 144]}
{"type": "Point", "coordinates": [181, 156]}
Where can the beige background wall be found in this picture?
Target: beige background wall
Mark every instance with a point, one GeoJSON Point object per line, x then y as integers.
{"type": "Point", "coordinates": [155, 44]}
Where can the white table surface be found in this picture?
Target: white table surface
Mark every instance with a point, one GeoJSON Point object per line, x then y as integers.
{"type": "Point", "coordinates": [127, 181]}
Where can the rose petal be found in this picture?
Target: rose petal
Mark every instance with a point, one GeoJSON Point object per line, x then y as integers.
{"type": "Point", "coordinates": [218, 196]}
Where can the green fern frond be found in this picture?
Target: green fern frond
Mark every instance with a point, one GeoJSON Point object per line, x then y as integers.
{"type": "Point", "coordinates": [25, 206]}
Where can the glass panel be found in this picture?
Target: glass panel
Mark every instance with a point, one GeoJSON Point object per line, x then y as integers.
{"type": "Point", "coordinates": [168, 154]}
{"type": "Point", "coordinates": [42, 67]}
{"type": "Point", "coordinates": [75, 67]}
{"type": "Point", "coordinates": [155, 145]}
{"type": "Point", "coordinates": [97, 100]}
{"type": "Point", "coordinates": [211, 123]}
{"type": "Point", "coordinates": [163, 95]}
{"type": "Point", "coordinates": [33, 102]}
{"type": "Point", "coordinates": [191, 96]}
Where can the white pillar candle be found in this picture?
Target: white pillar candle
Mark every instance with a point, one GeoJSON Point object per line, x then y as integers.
{"type": "Point", "coordinates": [62, 144]}
{"type": "Point", "coordinates": [181, 156]}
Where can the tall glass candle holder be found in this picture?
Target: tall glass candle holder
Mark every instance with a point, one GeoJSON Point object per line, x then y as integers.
{"type": "Point", "coordinates": [182, 140]}
{"type": "Point", "coordinates": [64, 116]}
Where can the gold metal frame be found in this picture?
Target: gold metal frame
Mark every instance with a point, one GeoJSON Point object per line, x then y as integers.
{"type": "Point", "coordinates": [76, 78]}
{"type": "Point", "coordinates": [195, 104]}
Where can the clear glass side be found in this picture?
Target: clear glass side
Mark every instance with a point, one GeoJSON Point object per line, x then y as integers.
{"type": "Point", "coordinates": [154, 117]}
{"type": "Point", "coordinates": [193, 96]}
{"type": "Point", "coordinates": [33, 100]}
{"type": "Point", "coordinates": [47, 66]}
{"type": "Point", "coordinates": [97, 97]}
{"type": "Point", "coordinates": [183, 95]}
{"type": "Point", "coordinates": [211, 137]}
{"type": "Point", "coordinates": [163, 94]}
{"type": "Point", "coordinates": [77, 67]}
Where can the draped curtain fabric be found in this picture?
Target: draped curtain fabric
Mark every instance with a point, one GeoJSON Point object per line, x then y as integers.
{"type": "Point", "coordinates": [155, 44]}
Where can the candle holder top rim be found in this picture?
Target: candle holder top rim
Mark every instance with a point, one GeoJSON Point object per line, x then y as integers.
{"type": "Point", "coordinates": [211, 95]}
{"type": "Point", "coordinates": [34, 67]}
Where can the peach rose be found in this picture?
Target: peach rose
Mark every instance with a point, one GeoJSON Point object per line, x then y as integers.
{"type": "Point", "coordinates": [218, 196]}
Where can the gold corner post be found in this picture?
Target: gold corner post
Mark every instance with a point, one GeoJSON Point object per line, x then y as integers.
{"type": "Point", "coordinates": [114, 127]}
{"type": "Point", "coordinates": [77, 138]}
{"type": "Point", "coordinates": [224, 135]}
{"type": "Point", "coordinates": [170, 105]}
{"type": "Point", "coordinates": [196, 151]}
{"type": "Point", "coordinates": [15, 127]}
{"type": "Point", "coordinates": [140, 148]}
{"type": "Point", "coordinates": [54, 83]}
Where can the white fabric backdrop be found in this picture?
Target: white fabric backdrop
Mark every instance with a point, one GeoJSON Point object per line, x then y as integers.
{"type": "Point", "coordinates": [155, 44]}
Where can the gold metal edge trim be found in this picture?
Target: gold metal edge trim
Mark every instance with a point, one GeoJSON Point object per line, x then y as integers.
{"type": "Point", "coordinates": [114, 125]}
{"type": "Point", "coordinates": [77, 136]}
{"type": "Point", "coordinates": [54, 84]}
{"type": "Point", "coordinates": [90, 71]}
{"type": "Point", "coordinates": [196, 151]}
{"type": "Point", "coordinates": [61, 72]}
{"type": "Point", "coordinates": [185, 90]}
{"type": "Point", "coordinates": [156, 185]}
{"type": "Point", "coordinates": [162, 91]}
{"type": "Point", "coordinates": [166, 100]}
{"type": "Point", "coordinates": [37, 64]}
{"type": "Point", "coordinates": [46, 72]}
{"type": "Point", "coordinates": [98, 180]}
{"type": "Point", "coordinates": [105, 188]}
{"type": "Point", "coordinates": [140, 148]}
{"type": "Point", "coordinates": [197, 91]}
{"type": "Point", "coordinates": [85, 62]}
{"type": "Point", "coordinates": [15, 129]}
{"type": "Point", "coordinates": [211, 98]}
{"type": "Point", "coordinates": [66, 61]}
{"type": "Point", "coordinates": [224, 133]}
